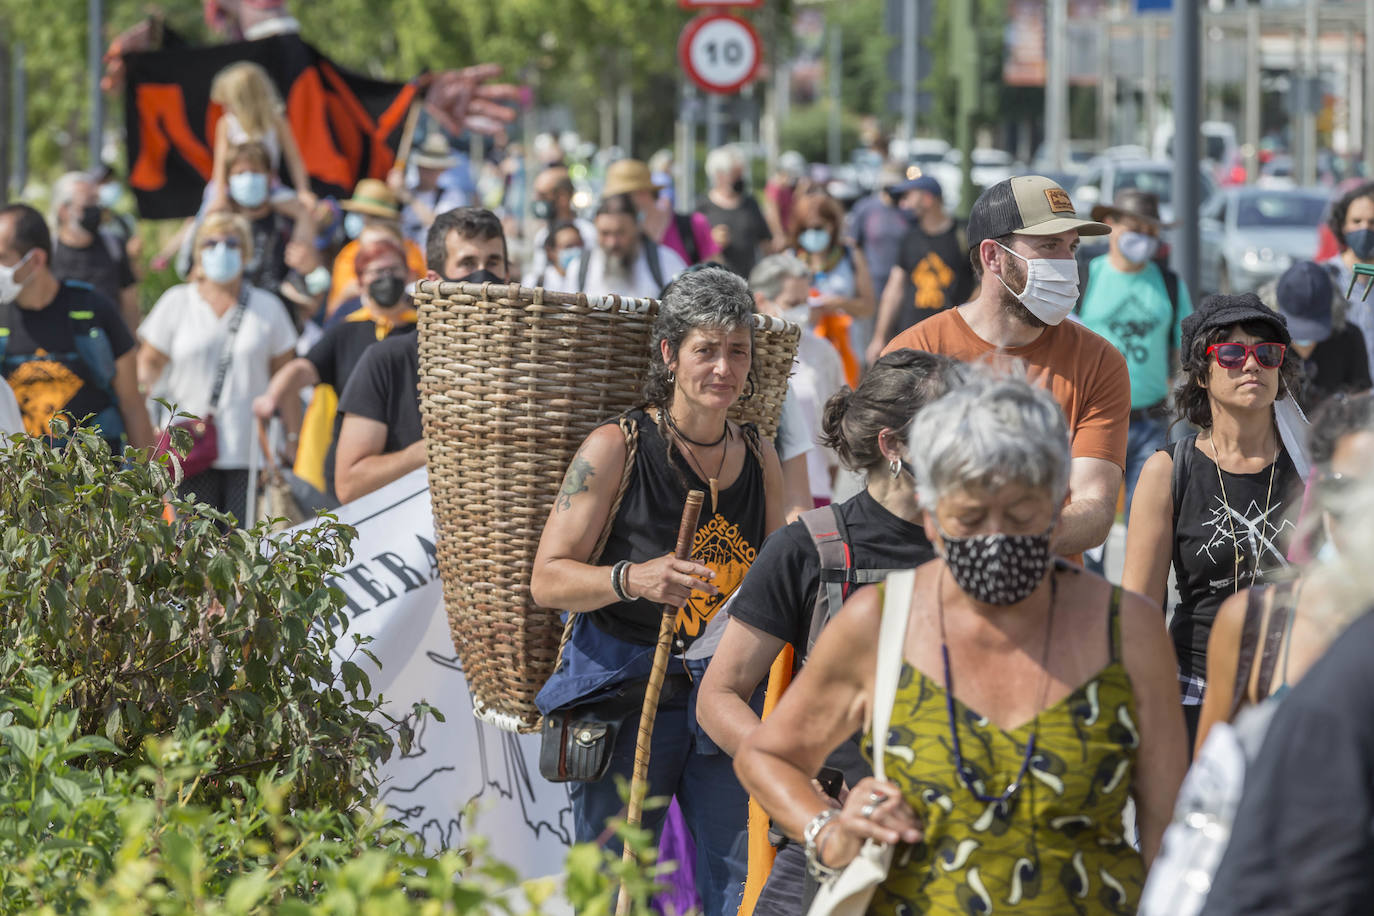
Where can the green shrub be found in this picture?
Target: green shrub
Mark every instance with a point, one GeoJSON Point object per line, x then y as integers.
{"type": "Point", "coordinates": [174, 736]}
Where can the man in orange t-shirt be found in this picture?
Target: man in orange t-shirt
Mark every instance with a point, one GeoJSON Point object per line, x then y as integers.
{"type": "Point", "coordinates": [1022, 234]}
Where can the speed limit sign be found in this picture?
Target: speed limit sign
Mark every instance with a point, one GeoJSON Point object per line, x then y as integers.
{"type": "Point", "coordinates": [720, 52]}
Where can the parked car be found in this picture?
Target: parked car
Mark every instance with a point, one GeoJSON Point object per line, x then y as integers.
{"type": "Point", "coordinates": [1105, 176]}
{"type": "Point", "coordinates": [921, 152]}
{"type": "Point", "coordinates": [1219, 144]}
{"type": "Point", "coordinates": [1249, 235]}
{"type": "Point", "coordinates": [989, 167]}
{"type": "Point", "coordinates": [1076, 158]}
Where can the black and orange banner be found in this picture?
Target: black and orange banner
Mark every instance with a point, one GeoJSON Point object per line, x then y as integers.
{"type": "Point", "coordinates": [347, 125]}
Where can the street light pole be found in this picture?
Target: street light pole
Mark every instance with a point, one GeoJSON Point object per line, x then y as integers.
{"type": "Point", "coordinates": [1187, 129]}
{"type": "Point", "coordinates": [95, 53]}
{"type": "Point", "coordinates": [1252, 94]}
{"type": "Point", "coordinates": [1056, 83]}
{"type": "Point", "coordinates": [909, 51]}
{"type": "Point", "coordinates": [1308, 97]}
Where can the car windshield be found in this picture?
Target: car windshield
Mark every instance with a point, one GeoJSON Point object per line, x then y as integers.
{"type": "Point", "coordinates": [1266, 210]}
{"type": "Point", "coordinates": [1157, 181]}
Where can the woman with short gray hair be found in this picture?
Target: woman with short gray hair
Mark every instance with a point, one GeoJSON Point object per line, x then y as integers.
{"type": "Point", "coordinates": [1007, 793]}
{"type": "Point", "coordinates": [679, 440]}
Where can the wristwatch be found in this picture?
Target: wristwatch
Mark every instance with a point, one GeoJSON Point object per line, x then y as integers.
{"type": "Point", "coordinates": [818, 869]}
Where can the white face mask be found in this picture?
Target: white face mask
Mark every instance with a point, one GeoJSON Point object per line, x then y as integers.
{"type": "Point", "coordinates": [1051, 286]}
{"type": "Point", "coordinates": [10, 288]}
{"type": "Point", "coordinates": [1137, 247]}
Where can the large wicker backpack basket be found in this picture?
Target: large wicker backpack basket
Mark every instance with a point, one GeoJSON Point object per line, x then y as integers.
{"type": "Point", "coordinates": [512, 380]}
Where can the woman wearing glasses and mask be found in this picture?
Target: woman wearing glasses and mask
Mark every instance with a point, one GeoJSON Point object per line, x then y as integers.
{"type": "Point", "coordinates": [210, 347]}
{"type": "Point", "coordinates": [1034, 699]}
{"type": "Point", "coordinates": [1218, 506]}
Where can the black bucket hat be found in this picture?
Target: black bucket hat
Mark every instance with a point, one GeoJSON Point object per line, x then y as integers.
{"type": "Point", "coordinates": [1228, 311]}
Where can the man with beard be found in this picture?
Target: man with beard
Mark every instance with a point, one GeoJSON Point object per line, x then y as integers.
{"type": "Point", "coordinates": [1022, 234]}
{"type": "Point", "coordinates": [625, 261]}
{"type": "Point", "coordinates": [931, 272]}
{"type": "Point", "coordinates": [380, 438]}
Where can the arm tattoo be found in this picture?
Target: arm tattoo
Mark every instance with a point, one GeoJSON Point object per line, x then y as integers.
{"type": "Point", "coordinates": [579, 472]}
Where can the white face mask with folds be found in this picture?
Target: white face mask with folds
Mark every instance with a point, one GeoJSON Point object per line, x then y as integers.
{"type": "Point", "coordinates": [1051, 286]}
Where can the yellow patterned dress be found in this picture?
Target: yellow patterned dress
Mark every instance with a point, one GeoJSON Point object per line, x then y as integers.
{"type": "Point", "coordinates": [1058, 846]}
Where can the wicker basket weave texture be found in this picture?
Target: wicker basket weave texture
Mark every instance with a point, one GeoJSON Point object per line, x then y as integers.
{"type": "Point", "coordinates": [512, 380]}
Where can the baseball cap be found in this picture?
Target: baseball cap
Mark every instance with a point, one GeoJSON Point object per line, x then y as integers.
{"type": "Point", "coordinates": [1304, 297]}
{"type": "Point", "coordinates": [919, 183]}
{"type": "Point", "coordinates": [1030, 205]}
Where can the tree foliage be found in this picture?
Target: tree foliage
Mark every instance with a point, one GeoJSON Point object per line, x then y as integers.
{"type": "Point", "coordinates": [177, 732]}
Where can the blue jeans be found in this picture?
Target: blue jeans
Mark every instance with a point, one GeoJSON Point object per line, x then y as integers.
{"type": "Point", "coordinates": [1145, 436]}
{"type": "Point", "coordinates": [684, 763]}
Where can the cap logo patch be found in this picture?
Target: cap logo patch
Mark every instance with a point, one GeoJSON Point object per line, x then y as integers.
{"type": "Point", "coordinates": [1059, 199]}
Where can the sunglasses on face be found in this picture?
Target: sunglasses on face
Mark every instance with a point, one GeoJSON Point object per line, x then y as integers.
{"type": "Point", "coordinates": [231, 242]}
{"type": "Point", "coordinates": [1235, 355]}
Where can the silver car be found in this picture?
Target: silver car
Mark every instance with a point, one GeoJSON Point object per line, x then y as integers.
{"type": "Point", "coordinates": [1251, 235]}
{"type": "Point", "coordinates": [1107, 175]}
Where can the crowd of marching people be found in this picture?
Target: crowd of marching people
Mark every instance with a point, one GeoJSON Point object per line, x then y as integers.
{"type": "Point", "coordinates": [910, 580]}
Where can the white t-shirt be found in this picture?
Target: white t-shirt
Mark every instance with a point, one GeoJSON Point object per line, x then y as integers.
{"type": "Point", "coordinates": [11, 420]}
{"type": "Point", "coordinates": [641, 284]}
{"type": "Point", "coordinates": [816, 375]}
{"type": "Point", "coordinates": [184, 327]}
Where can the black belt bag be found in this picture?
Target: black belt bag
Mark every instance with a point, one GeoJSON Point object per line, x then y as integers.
{"type": "Point", "coordinates": [576, 742]}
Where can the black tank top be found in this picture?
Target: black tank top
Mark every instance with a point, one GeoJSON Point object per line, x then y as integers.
{"type": "Point", "coordinates": [1205, 552]}
{"type": "Point", "coordinates": [646, 528]}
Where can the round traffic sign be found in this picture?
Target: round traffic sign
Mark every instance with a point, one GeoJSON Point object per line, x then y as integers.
{"type": "Point", "coordinates": [720, 52]}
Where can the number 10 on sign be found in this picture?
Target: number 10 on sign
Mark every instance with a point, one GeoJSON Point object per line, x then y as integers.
{"type": "Point", "coordinates": [720, 52]}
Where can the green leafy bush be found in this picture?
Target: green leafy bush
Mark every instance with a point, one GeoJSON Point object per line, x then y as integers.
{"type": "Point", "coordinates": [175, 737]}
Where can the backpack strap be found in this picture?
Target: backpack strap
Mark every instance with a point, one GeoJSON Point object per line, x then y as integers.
{"type": "Point", "coordinates": [655, 265]}
{"type": "Point", "coordinates": [831, 540]}
{"type": "Point", "coordinates": [1182, 453]}
{"type": "Point", "coordinates": [687, 232]}
{"type": "Point", "coordinates": [584, 263]}
{"type": "Point", "coordinates": [1280, 609]}
{"type": "Point", "coordinates": [1249, 643]}
{"type": "Point", "coordinates": [1171, 289]}
{"type": "Point", "coordinates": [630, 430]}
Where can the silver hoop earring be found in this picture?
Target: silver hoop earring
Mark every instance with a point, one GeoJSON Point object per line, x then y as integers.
{"type": "Point", "coordinates": [671, 378]}
{"type": "Point", "coordinates": [895, 467]}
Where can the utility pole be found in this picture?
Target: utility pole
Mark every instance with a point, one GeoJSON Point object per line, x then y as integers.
{"type": "Point", "coordinates": [1368, 87]}
{"type": "Point", "coordinates": [1252, 93]}
{"type": "Point", "coordinates": [910, 41]}
{"type": "Point", "coordinates": [1151, 68]}
{"type": "Point", "coordinates": [1106, 85]}
{"type": "Point", "coordinates": [964, 44]}
{"type": "Point", "coordinates": [19, 121]}
{"type": "Point", "coordinates": [95, 54]}
{"type": "Point", "coordinates": [833, 135]}
{"type": "Point", "coordinates": [1057, 82]}
{"type": "Point", "coordinates": [624, 119]}
{"type": "Point", "coordinates": [1308, 97]}
{"type": "Point", "coordinates": [1187, 130]}
{"type": "Point", "coordinates": [685, 161]}
{"type": "Point", "coordinates": [4, 120]}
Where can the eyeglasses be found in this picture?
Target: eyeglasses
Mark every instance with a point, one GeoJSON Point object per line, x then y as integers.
{"type": "Point", "coordinates": [230, 242]}
{"type": "Point", "coordinates": [1236, 355]}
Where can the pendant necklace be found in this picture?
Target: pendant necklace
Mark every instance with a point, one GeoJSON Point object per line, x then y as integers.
{"type": "Point", "coordinates": [712, 481]}
{"type": "Point", "coordinates": [1231, 519]}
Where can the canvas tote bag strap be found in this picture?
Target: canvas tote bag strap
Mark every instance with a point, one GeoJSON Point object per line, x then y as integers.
{"type": "Point", "coordinates": [891, 640]}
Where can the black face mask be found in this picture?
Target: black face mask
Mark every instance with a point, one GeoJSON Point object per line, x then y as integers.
{"type": "Point", "coordinates": [542, 209]}
{"type": "Point", "coordinates": [481, 276]}
{"type": "Point", "coordinates": [738, 186]}
{"type": "Point", "coordinates": [386, 290]}
{"type": "Point", "coordinates": [90, 218]}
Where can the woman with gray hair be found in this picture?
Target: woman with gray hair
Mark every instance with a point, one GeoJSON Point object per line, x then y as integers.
{"type": "Point", "coordinates": [1008, 793]}
{"type": "Point", "coordinates": [679, 440]}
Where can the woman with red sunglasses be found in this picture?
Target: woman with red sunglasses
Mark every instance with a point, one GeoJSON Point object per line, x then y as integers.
{"type": "Point", "coordinates": [1216, 506]}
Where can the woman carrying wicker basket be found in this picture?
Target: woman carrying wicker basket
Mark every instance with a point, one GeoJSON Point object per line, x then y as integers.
{"type": "Point", "coordinates": [632, 476]}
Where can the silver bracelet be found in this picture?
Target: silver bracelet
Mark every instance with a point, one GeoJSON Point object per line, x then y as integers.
{"type": "Point", "coordinates": [618, 580]}
{"type": "Point", "coordinates": [818, 869]}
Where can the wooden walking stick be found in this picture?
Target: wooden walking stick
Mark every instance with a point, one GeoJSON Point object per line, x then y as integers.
{"type": "Point", "coordinates": [639, 783]}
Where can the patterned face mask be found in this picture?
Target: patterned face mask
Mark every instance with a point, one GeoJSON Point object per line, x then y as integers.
{"type": "Point", "coordinates": [998, 569]}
